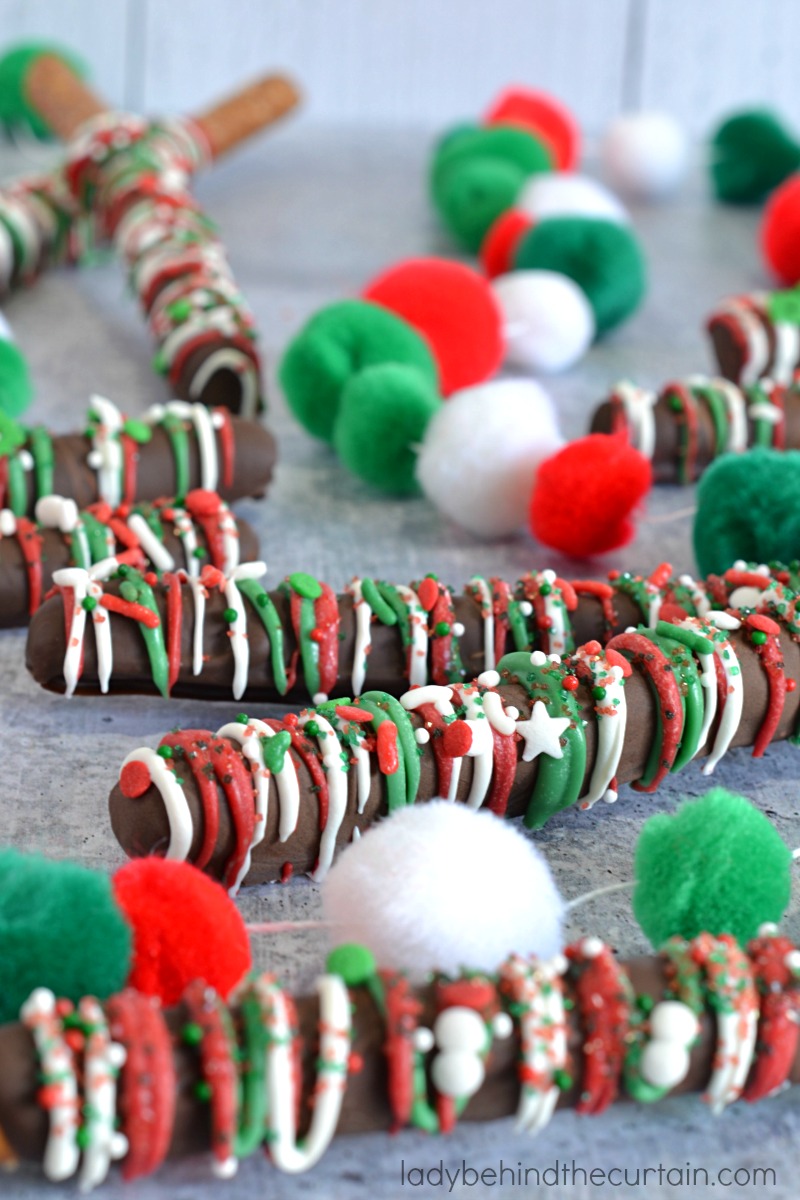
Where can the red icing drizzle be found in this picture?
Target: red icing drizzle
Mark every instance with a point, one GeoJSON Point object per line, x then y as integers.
{"type": "Point", "coordinates": [644, 654]}
{"type": "Point", "coordinates": [503, 773]}
{"type": "Point", "coordinates": [605, 1017]}
{"type": "Point", "coordinates": [532, 591]}
{"type": "Point", "coordinates": [132, 609]}
{"type": "Point", "coordinates": [30, 543]}
{"type": "Point", "coordinates": [308, 753]}
{"type": "Point", "coordinates": [778, 1029]}
{"type": "Point", "coordinates": [687, 416]}
{"type": "Point", "coordinates": [174, 627]}
{"type": "Point", "coordinates": [771, 658]}
{"type": "Point", "coordinates": [205, 508]}
{"type": "Point", "coordinates": [402, 1013]}
{"type": "Point", "coordinates": [213, 759]}
{"type": "Point", "coordinates": [326, 635]}
{"type": "Point", "coordinates": [501, 595]}
{"type": "Point", "coordinates": [441, 645]}
{"type": "Point", "coordinates": [130, 458]}
{"type": "Point", "coordinates": [219, 1070]}
{"type": "Point", "coordinates": [227, 445]}
{"type": "Point", "coordinates": [148, 1088]}
{"type": "Point", "coordinates": [436, 725]}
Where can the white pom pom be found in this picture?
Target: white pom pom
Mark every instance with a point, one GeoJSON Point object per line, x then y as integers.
{"type": "Point", "coordinates": [481, 451]}
{"type": "Point", "coordinates": [440, 887]}
{"type": "Point", "coordinates": [644, 154]}
{"type": "Point", "coordinates": [548, 322]}
{"type": "Point", "coordinates": [563, 194]}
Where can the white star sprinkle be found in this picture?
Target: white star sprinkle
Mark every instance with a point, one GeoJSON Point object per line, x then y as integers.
{"type": "Point", "coordinates": [542, 732]}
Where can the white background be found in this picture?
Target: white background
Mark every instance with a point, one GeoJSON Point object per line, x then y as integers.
{"type": "Point", "coordinates": [428, 62]}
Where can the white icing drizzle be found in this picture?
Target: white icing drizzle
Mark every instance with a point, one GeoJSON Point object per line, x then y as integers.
{"type": "Point", "coordinates": [497, 715]}
{"type": "Point", "coordinates": [638, 404]}
{"type": "Point", "coordinates": [237, 632]}
{"type": "Point", "coordinates": [38, 1015]}
{"type": "Point", "coordinates": [363, 640]}
{"type": "Point", "coordinates": [179, 816]}
{"type": "Point", "coordinates": [735, 407]}
{"type": "Point", "coordinates": [536, 986]}
{"type": "Point", "coordinates": [249, 738]}
{"type": "Point", "coordinates": [787, 351]}
{"type": "Point", "coordinates": [106, 456]}
{"type": "Point", "coordinates": [102, 1060]}
{"type": "Point", "coordinates": [554, 611]}
{"type": "Point", "coordinates": [229, 358]}
{"type": "Point", "coordinates": [734, 699]}
{"type": "Point", "coordinates": [744, 311]}
{"type": "Point", "coordinates": [200, 417]}
{"type": "Point", "coordinates": [481, 747]}
{"type": "Point", "coordinates": [699, 596]}
{"type": "Point", "coordinates": [736, 1039]}
{"type": "Point", "coordinates": [151, 544]}
{"type": "Point", "coordinates": [441, 698]}
{"type": "Point", "coordinates": [230, 541]}
{"type": "Point", "coordinates": [185, 529]}
{"type": "Point", "coordinates": [199, 598]}
{"type": "Point", "coordinates": [334, 1052]}
{"type": "Point", "coordinates": [330, 752]}
{"type": "Point", "coordinates": [611, 723]}
{"type": "Point", "coordinates": [87, 583]}
{"type": "Point", "coordinates": [480, 586]}
{"type": "Point", "coordinates": [418, 624]}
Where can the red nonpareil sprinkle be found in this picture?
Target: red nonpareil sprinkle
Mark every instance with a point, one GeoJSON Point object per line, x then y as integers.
{"type": "Point", "coordinates": [457, 739]}
{"type": "Point", "coordinates": [428, 593]}
{"type": "Point", "coordinates": [386, 739]}
{"type": "Point", "coordinates": [791, 684]}
{"type": "Point", "coordinates": [290, 720]}
{"type": "Point", "coordinates": [355, 1063]}
{"type": "Point", "coordinates": [570, 683]}
{"type": "Point", "coordinates": [592, 647]}
{"type": "Point", "coordinates": [134, 780]}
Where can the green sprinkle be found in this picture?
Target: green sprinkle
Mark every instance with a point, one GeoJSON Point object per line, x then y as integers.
{"type": "Point", "coordinates": [165, 752]}
{"type": "Point", "coordinates": [305, 585]}
{"type": "Point", "coordinates": [758, 637]}
{"type": "Point", "coordinates": [545, 589]}
{"type": "Point", "coordinates": [203, 1091]}
{"type": "Point", "coordinates": [312, 729]}
{"type": "Point", "coordinates": [200, 552]}
{"type": "Point", "coordinates": [83, 1137]}
{"type": "Point", "coordinates": [262, 600]}
{"type": "Point", "coordinates": [160, 363]}
{"type": "Point", "coordinates": [179, 310]}
{"type": "Point", "coordinates": [441, 628]}
{"type": "Point", "coordinates": [562, 1080]}
{"type": "Point", "coordinates": [599, 693]}
{"type": "Point", "coordinates": [243, 719]}
{"type": "Point", "coordinates": [230, 615]}
{"type": "Point", "coordinates": [675, 402]}
{"type": "Point", "coordinates": [89, 603]}
{"type": "Point", "coordinates": [123, 570]}
{"type": "Point", "coordinates": [273, 751]}
{"type": "Point", "coordinates": [192, 1033]}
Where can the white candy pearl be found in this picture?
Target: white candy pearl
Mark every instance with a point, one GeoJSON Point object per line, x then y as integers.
{"type": "Point", "coordinates": [457, 1073]}
{"type": "Point", "coordinates": [664, 1064]}
{"type": "Point", "coordinates": [673, 1021]}
{"type": "Point", "coordinates": [8, 523]}
{"type": "Point", "coordinates": [591, 947]}
{"type": "Point", "coordinates": [460, 1028]}
{"type": "Point", "coordinates": [502, 1025]}
{"type": "Point", "coordinates": [424, 1040]}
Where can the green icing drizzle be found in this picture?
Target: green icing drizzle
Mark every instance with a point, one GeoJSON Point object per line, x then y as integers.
{"type": "Point", "coordinates": [97, 536]}
{"type": "Point", "coordinates": [678, 650]}
{"type": "Point", "coordinates": [558, 780]}
{"type": "Point", "coordinates": [41, 447]}
{"type": "Point", "coordinates": [403, 786]}
{"type": "Point", "coordinates": [252, 1089]}
{"type": "Point", "coordinates": [134, 589]}
{"type": "Point", "coordinates": [268, 615]}
{"type": "Point", "coordinates": [381, 609]}
{"type": "Point", "coordinates": [175, 430]}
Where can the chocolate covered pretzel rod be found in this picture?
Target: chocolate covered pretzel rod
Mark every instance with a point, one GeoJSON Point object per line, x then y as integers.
{"type": "Point", "coordinates": [757, 335]}
{"type": "Point", "coordinates": [302, 642]}
{"type": "Point", "coordinates": [134, 1085]}
{"type": "Point", "coordinates": [162, 536]}
{"type": "Point", "coordinates": [133, 177]}
{"type": "Point", "coordinates": [691, 421]}
{"type": "Point", "coordinates": [171, 449]}
{"type": "Point", "coordinates": [260, 799]}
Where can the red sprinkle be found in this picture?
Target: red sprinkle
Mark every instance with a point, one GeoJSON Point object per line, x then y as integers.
{"type": "Point", "coordinates": [428, 592]}
{"type": "Point", "coordinates": [570, 683]}
{"type": "Point", "coordinates": [387, 748]}
{"type": "Point", "coordinates": [457, 739]}
{"type": "Point", "coordinates": [128, 608]}
{"type": "Point", "coordinates": [287, 871]}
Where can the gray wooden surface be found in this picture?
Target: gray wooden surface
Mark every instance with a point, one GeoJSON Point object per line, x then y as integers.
{"type": "Point", "coordinates": [309, 216]}
{"type": "Point", "coordinates": [432, 61]}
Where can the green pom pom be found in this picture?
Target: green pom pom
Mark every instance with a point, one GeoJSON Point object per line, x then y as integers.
{"type": "Point", "coordinates": [748, 507]}
{"type": "Point", "coordinates": [751, 153]}
{"type": "Point", "coordinates": [477, 174]}
{"type": "Point", "coordinates": [716, 866]}
{"type": "Point", "coordinates": [16, 388]}
{"type": "Point", "coordinates": [385, 411]}
{"type": "Point", "coordinates": [353, 962]}
{"type": "Point", "coordinates": [60, 927]}
{"type": "Point", "coordinates": [333, 346]}
{"type": "Point", "coordinates": [16, 112]}
{"type": "Point", "coordinates": [603, 257]}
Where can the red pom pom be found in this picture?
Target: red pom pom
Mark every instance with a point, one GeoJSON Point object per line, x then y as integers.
{"type": "Point", "coordinates": [452, 306]}
{"type": "Point", "coordinates": [780, 231]}
{"type": "Point", "coordinates": [500, 244]}
{"type": "Point", "coordinates": [584, 495]}
{"type": "Point", "coordinates": [543, 115]}
{"type": "Point", "coordinates": [134, 780]}
{"type": "Point", "coordinates": [185, 927]}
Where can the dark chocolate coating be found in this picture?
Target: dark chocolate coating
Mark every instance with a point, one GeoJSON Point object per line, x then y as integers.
{"type": "Point", "coordinates": [255, 454]}
{"type": "Point", "coordinates": [142, 828]}
{"type": "Point", "coordinates": [386, 671]}
{"type": "Point", "coordinates": [223, 389]}
{"type": "Point", "coordinates": [667, 446]}
{"type": "Point", "coordinates": [365, 1107]}
{"type": "Point", "coordinates": [14, 607]}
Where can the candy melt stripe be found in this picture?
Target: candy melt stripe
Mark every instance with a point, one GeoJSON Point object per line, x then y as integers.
{"type": "Point", "coordinates": [535, 990]}
{"type": "Point", "coordinates": [57, 1068]}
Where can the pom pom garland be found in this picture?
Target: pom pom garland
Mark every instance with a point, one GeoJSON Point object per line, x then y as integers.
{"type": "Point", "coordinates": [185, 927]}
{"type": "Point", "coordinates": [384, 413]}
{"type": "Point", "coordinates": [603, 257]}
{"type": "Point", "coordinates": [481, 451]}
{"type": "Point", "coordinates": [543, 115]}
{"type": "Point", "coordinates": [16, 111]}
{"type": "Point", "coordinates": [388, 892]}
{"type": "Point", "coordinates": [337, 342]}
{"type": "Point", "coordinates": [780, 232]}
{"type": "Point", "coordinates": [61, 928]}
{"type": "Point", "coordinates": [548, 322]}
{"type": "Point", "coordinates": [717, 865]}
{"type": "Point", "coordinates": [644, 154]}
{"type": "Point", "coordinates": [453, 308]}
{"type": "Point", "coordinates": [500, 244]}
{"type": "Point", "coordinates": [751, 153]}
{"type": "Point", "coordinates": [569, 195]}
{"type": "Point", "coordinates": [746, 509]}
{"type": "Point", "coordinates": [584, 496]}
